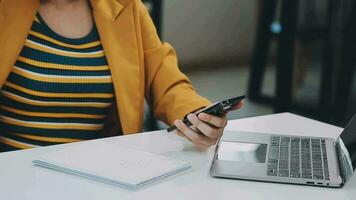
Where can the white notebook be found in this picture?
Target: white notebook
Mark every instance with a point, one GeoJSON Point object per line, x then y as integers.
{"type": "Point", "coordinates": [111, 164]}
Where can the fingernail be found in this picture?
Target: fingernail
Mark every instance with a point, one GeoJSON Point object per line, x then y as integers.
{"type": "Point", "coordinates": [190, 117]}
{"type": "Point", "coordinates": [176, 123]}
{"type": "Point", "coordinates": [203, 115]}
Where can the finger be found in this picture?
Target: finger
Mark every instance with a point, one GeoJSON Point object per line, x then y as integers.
{"type": "Point", "coordinates": [179, 133]}
{"type": "Point", "coordinates": [208, 144]}
{"type": "Point", "coordinates": [237, 106]}
{"type": "Point", "coordinates": [195, 129]}
{"type": "Point", "coordinates": [203, 127]}
{"type": "Point", "coordinates": [192, 135]}
{"type": "Point", "coordinates": [219, 122]}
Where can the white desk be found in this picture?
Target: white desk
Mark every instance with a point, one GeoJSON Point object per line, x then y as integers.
{"type": "Point", "coordinates": [20, 180]}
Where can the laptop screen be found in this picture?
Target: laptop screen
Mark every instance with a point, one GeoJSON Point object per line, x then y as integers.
{"type": "Point", "coordinates": [348, 136]}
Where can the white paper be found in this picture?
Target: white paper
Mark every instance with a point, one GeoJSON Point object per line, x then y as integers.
{"type": "Point", "coordinates": [113, 164]}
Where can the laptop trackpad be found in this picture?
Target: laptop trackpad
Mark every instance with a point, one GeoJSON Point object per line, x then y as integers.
{"type": "Point", "coordinates": [242, 152]}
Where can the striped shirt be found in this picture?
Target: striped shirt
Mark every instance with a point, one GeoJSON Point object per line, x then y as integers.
{"type": "Point", "coordinates": [59, 91]}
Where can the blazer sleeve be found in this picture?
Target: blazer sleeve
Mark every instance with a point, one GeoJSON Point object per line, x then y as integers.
{"type": "Point", "coordinates": [167, 89]}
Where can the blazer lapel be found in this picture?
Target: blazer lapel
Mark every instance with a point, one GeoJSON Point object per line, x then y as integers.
{"type": "Point", "coordinates": [15, 23]}
{"type": "Point", "coordinates": [118, 36]}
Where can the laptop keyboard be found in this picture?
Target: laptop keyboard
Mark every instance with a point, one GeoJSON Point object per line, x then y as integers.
{"type": "Point", "coordinates": [297, 158]}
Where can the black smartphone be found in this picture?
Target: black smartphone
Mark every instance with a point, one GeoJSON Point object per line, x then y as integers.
{"type": "Point", "coordinates": [217, 109]}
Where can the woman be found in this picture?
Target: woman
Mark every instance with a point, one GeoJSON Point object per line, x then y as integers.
{"type": "Point", "coordinates": [67, 66]}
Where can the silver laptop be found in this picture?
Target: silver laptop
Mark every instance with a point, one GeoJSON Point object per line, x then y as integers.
{"type": "Point", "coordinates": [287, 159]}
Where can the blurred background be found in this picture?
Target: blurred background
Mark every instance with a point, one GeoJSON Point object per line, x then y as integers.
{"type": "Point", "coordinates": [287, 55]}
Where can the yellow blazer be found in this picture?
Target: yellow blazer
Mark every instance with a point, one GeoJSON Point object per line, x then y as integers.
{"type": "Point", "coordinates": [141, 65]}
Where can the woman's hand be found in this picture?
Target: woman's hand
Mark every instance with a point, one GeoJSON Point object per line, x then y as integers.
{"type": "Point", "coordinates": [206, 129]}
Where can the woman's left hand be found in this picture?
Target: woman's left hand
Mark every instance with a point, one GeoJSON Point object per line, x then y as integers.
{"type": "Point", "coordinates": [206, 129]}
